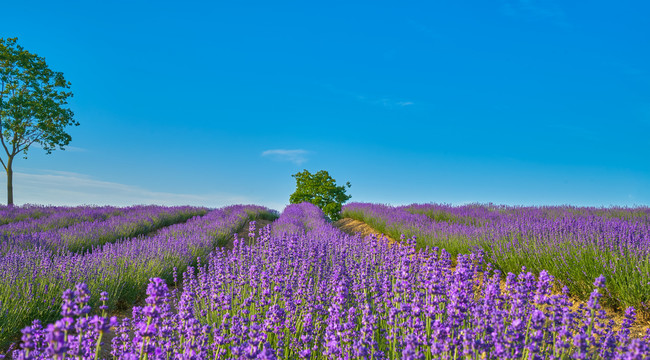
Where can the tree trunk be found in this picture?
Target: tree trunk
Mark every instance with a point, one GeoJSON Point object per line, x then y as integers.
{"type": "Point", "coordinates": [10, 182]}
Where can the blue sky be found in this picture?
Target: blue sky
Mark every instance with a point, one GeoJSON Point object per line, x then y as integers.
{"type": "Point", "coordinates": [511, 101]}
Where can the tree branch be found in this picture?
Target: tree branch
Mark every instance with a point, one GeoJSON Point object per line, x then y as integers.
{"type": "Point", "coordinates": [28, 135]}
{"type": "Point", "coordinates": [2, 139]}
{"type": "Point", "coordinates": [2, 124]}
{"type": "Point", "coordinates": [27, 144]}
{"type": "Point", "coordinates": [30, 103]}
{"type": "Point", "coordinates": [14, 141]}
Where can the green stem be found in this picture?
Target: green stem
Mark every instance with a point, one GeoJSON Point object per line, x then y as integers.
{"type": "Point", "coordinates": [99, 340]}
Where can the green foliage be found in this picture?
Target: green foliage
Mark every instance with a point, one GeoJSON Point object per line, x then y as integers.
{"type": "Point", "coordinates": [321, 190]}
{"type": "Point", "coordinates": [32, 105]}
{"type": "Point", "coordinates": [443, 216]}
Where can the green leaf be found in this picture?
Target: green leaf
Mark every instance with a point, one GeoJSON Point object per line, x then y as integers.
{"type": "Point", "coordinates": [321, 190]}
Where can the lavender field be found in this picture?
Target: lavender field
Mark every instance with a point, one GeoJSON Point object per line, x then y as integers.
{"type": "Point", "coordinates": [112, 250]}
{"type": "Point", "coordinates": [302, 289]}
{"type": "Point", "coordinates": [573, 244]}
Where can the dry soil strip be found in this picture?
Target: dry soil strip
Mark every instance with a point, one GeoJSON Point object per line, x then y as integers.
{"type": "Point", "coordinates": [126, 312]}
{"type": "Point", "coordinates": [354, 227]}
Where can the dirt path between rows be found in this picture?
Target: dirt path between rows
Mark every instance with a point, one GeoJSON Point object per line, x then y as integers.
{"type": "Point", "coordinates": [354, 227]}
{"type": "Point", "coordinates": [243, 233]}
{"type": "Point", "coordinates": [127, 311]}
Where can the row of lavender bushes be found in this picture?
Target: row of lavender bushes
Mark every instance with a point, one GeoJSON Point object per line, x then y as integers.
{"type": "Point", "coordinates": [304, 290]}
{"type": "Point", "coordinates": [32, 278]}
{"type": "Point", "coordinates": [132, 222]}
{"type": "Point", "coordinates": [575, 245]}
{"type": "Point", "coordinates": [61, 218]}
{"type": "Point", "coordinates": [11, 213]}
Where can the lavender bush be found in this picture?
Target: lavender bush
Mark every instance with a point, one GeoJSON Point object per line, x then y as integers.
{"type": "Point", "coordinates": [80, 236]}
{"type": "Point", "coordinates": [32, 279]}
{"type": "Point", "coordinates": [575, 245]}
{"type": "Point", "coordinates": [304, 290]}
{"type": "Point", "coordinates": [59, 219]}
{"type": "Point", "coordinates": [9, 214]}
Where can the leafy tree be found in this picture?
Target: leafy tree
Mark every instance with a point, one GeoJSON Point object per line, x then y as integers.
{"type": "Point", "coordinates": [321, 190]}
{"type": "Point", "coordinates": [32, 99]}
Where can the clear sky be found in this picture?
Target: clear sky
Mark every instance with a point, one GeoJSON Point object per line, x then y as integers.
{"type": "Point", "coordinates": [509, 101]}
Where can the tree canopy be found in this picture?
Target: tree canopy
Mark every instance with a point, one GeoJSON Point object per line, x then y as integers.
{"type": "Point", "coordinates": [321, 190]}
{"type": "Point", "coordinates": [32, 106]}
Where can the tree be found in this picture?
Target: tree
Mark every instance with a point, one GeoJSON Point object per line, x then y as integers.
{"type": "Point", "coordinates": [321, 190]}
{"type": "Point", "coordinates": [32, 99]}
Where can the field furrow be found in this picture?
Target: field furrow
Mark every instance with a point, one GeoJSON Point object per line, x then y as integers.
{"type": "Point", "coordinates": [575, 245]}
{"type": "Point", "coordinates": [33, 278]}
{"type": "Point", "coordinates": [302, 289]}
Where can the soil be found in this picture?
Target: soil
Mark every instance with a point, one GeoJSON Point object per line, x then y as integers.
{"type": "Point", "coordinates": [243, 233]}
{"type": "Point", "coordinates": [638, 330]}
{"type": "Point", "coordinates": [353, 227]}
{"type": "Point", "coordinates": [126, 311]}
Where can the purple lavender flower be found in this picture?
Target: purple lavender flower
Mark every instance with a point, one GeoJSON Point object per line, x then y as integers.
{"type": "Point", "coordinates": [306, 290]}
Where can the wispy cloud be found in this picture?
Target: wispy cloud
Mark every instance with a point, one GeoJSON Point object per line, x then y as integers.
{"type": "Point", "coordinates": [297, 156]}
{"type": "Point", "coordinates": [387, 102]}
{"type": "Point", "coordinates": [546, 10]}
{"type": "Point", "coordinates": [68, 188]}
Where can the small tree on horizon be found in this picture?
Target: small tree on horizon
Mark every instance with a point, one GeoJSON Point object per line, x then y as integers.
{"type": "Point", "coordinates": [321, 190]}
{"type": "Point", "coordinates": [32, 99]}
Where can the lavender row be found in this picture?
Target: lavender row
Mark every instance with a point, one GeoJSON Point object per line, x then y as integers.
{"type": "Point", "coordinates": [298, 219]}
{"type": "Point", "coordinates": [573, 245]}
{"type": "Point", "coordinates": [9, 214]}
{"type": "Point", "coordinates": [617, 229]}
{"type": "Point", "coordinates": [32, 279]}
{"type": "Point", "coordinates": [497, 213]}
{"type": "Point", "coordinates": [82, 236]}
{"type": "Point", "coordinates": [62, 218]}
{"type": "Point", "coordinates": [315, 293]}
